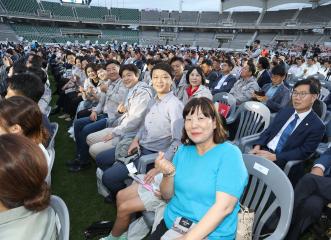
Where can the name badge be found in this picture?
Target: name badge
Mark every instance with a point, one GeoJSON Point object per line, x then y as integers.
{"type": "Point", "coordinates": [131, 168]}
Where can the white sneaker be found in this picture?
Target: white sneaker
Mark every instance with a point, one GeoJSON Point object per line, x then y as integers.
{"type": "Point", "coordinates": [110, 237]}
{"type": "Point", "coordinates": [72, 136]}
{"type": "Point", "coordinates": [71, 130]}
{"type": "Point", "coordinates": [64, 116]}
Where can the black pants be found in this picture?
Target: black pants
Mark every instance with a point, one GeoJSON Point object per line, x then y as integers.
{"type": "Point", "coordinates": [73, 101]}
{"type": "Point", "coordinates": [311, 194]}
{"type": "Point", "coordinates": [159, 231]}
{"type": "Point", "coordinates": [84, 113]}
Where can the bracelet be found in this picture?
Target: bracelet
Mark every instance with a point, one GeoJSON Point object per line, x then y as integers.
{"type": "Point", "coordinates": [171, 174]}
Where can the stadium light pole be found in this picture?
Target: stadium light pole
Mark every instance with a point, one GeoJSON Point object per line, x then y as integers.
{"type": "Point", "coordinates": [220, 6]}
{"type": "Point", "coordinates": [180, 5]}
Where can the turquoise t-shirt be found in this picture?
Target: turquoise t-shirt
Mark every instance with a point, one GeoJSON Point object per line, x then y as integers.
{"type": "Point", "coordinates": [197, 180]}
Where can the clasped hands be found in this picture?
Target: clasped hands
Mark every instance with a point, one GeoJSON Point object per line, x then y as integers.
{"type": "Point", "coordinates": [262, 153]}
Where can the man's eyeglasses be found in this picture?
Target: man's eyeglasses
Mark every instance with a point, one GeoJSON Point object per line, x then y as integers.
{"type": "Point", "coordinates": [300, 94]}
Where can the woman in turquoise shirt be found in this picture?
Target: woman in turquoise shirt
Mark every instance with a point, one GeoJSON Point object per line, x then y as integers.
{"type": "Point", "coordinates": [205, 180]}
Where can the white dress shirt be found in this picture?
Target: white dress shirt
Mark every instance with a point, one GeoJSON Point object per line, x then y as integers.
{"type": "Point", "coordinates": [311, 70]}
{"type": "Point", "coordinates": [273, 143]}
{"type": "Point", "coordinates": [296, 70]}
{"type": "Point", "coordinates": [221, 81]}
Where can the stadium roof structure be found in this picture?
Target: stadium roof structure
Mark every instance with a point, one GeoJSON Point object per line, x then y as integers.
{"type": "Point", "coordinates": [208, 5]}
{"type": "Point", "coordinates": [267, 4]}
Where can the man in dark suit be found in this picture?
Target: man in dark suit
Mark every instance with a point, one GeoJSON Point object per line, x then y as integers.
{"type": "Point", "coordinates": [210, 74]}
{"type": "Point", "coordinates": [263, 67]}
{"type": "Point", "coordinates": [276, 94]}
{"type": "Point", "coordinates": [295, 132]}
{"type": "Point", "coordinates": [227, 80]}
{"type": "Point", "coordinates": [311, 194]}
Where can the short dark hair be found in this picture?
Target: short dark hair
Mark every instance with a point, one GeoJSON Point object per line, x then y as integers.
{"type": "Point", "coordinates": [70, 53]}
{"type": "Point", "coordinates": [10, 51]}
{"type": "Point", "coordinates": [279, 70]}
{"type": "Point", "coordinates": [112, 61]}
{"type": "Point", "coordinates": [36, 60]}
{"type": "Point", "coordinates": [174, 59]}
{"type": "Point", "coordinates": [229, 63]}
{"type": "Point", "coordinates": [252, 68]}
{"type": "Point", "coordinates": [39, 72]}
{"type": "Point", "coordinates": [208, 109]}
{"type": "Point", "coordinates": [313, 89]}
{"type": "Point", "coordinates": [257, 41]}
{"type": "Point", "coordinates": [91, 65]}
{"type": "Point", "coordinates": [150, 61]}
{"type": "Point", "coordinates": [163, 66]}
{"type": "Point", "coordinates": [79, 58]}
{"type": "Point", "coordinates": [264, 62]}
{"type": "Point", "coordinates": [199, 70]}
{"type": "Point", "coordinates": [27, 84]}
{"type": "Point", "coordinates": [315, 82]}
{"type": "Point", "coordinates": [19, 66]}
{"type": "Point", "coordinates": [216, 59]}
{"type": "Point", "coordinates": [189, 62]}
{"type": "Point", "coordinates": [207, 62]}
{"type": "Point", "coordinates": [298, 58]}
{"type": "Point", "coordinates": [101, 66]}
{"type": "Point", "coordinates": [129, 67]}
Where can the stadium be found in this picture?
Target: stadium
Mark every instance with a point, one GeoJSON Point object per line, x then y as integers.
{"type": "Point", "coordinates": [60, 22]}
{"type": "Point", "coordinates": [165, 120]}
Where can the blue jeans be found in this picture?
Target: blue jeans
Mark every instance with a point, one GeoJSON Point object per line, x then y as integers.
{"type": "Point", "coordinates": [115, 173]}
{"type": "Point", "coordinates": [83, 127]}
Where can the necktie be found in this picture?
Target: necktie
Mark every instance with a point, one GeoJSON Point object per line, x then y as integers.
{"type": "Point", "coordinates": [286, 133]}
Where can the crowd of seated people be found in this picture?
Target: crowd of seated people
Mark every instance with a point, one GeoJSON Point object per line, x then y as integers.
{"type": "Point", "coordinates": [158, 101]}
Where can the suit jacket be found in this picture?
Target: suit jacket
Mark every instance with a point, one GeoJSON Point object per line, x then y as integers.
{"type": "Point", "coordinates": [211, 79]}
{"type": "Point", "coordinates": [279, 100]}
{"type": "Point", "coordinates": [264, 78]}
{"type": "Point", "coordinates": [226, 86]}
{"type": "Point", "coordinates": [301, 143]}
{"type": "Point", "coordinates": [179, 90]}
{"type": "Point", "coordinates": [325, 160]}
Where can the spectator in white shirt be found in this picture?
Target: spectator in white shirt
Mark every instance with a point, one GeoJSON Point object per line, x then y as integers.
{"type": "Point", "coordinates": [310, 68]}
{"type": "Point", "coordinates": [297, 69]}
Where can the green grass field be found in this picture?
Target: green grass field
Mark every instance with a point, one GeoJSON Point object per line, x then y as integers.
{"type": "Point", "coordinates": [78, 190]}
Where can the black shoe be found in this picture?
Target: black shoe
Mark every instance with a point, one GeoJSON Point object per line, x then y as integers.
{"type": "Point", "coordinates": [79, 167]}
{"type": "Point", "coordinates": [98, 228]}
{"type": "Point", "coordinates": [55, 111]}
{"type": "Point", "coordinates": [72, 162]}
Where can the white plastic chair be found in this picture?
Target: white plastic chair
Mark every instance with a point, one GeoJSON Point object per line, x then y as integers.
{"type": "Point", "coordinates": [55, 128]}
{"type": "Point", "coordinates": [51, 153]}
{"type": "Point", "coordinates": [62, 213]}
{"type": "Point", "coordinates": [324, 93]}
{"type": "Point", "coordinates": [253, 117]}
{"type": "Point", "coordinates": [228, 99]}
{"type": "Point", "coordinates": [268, 189]}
